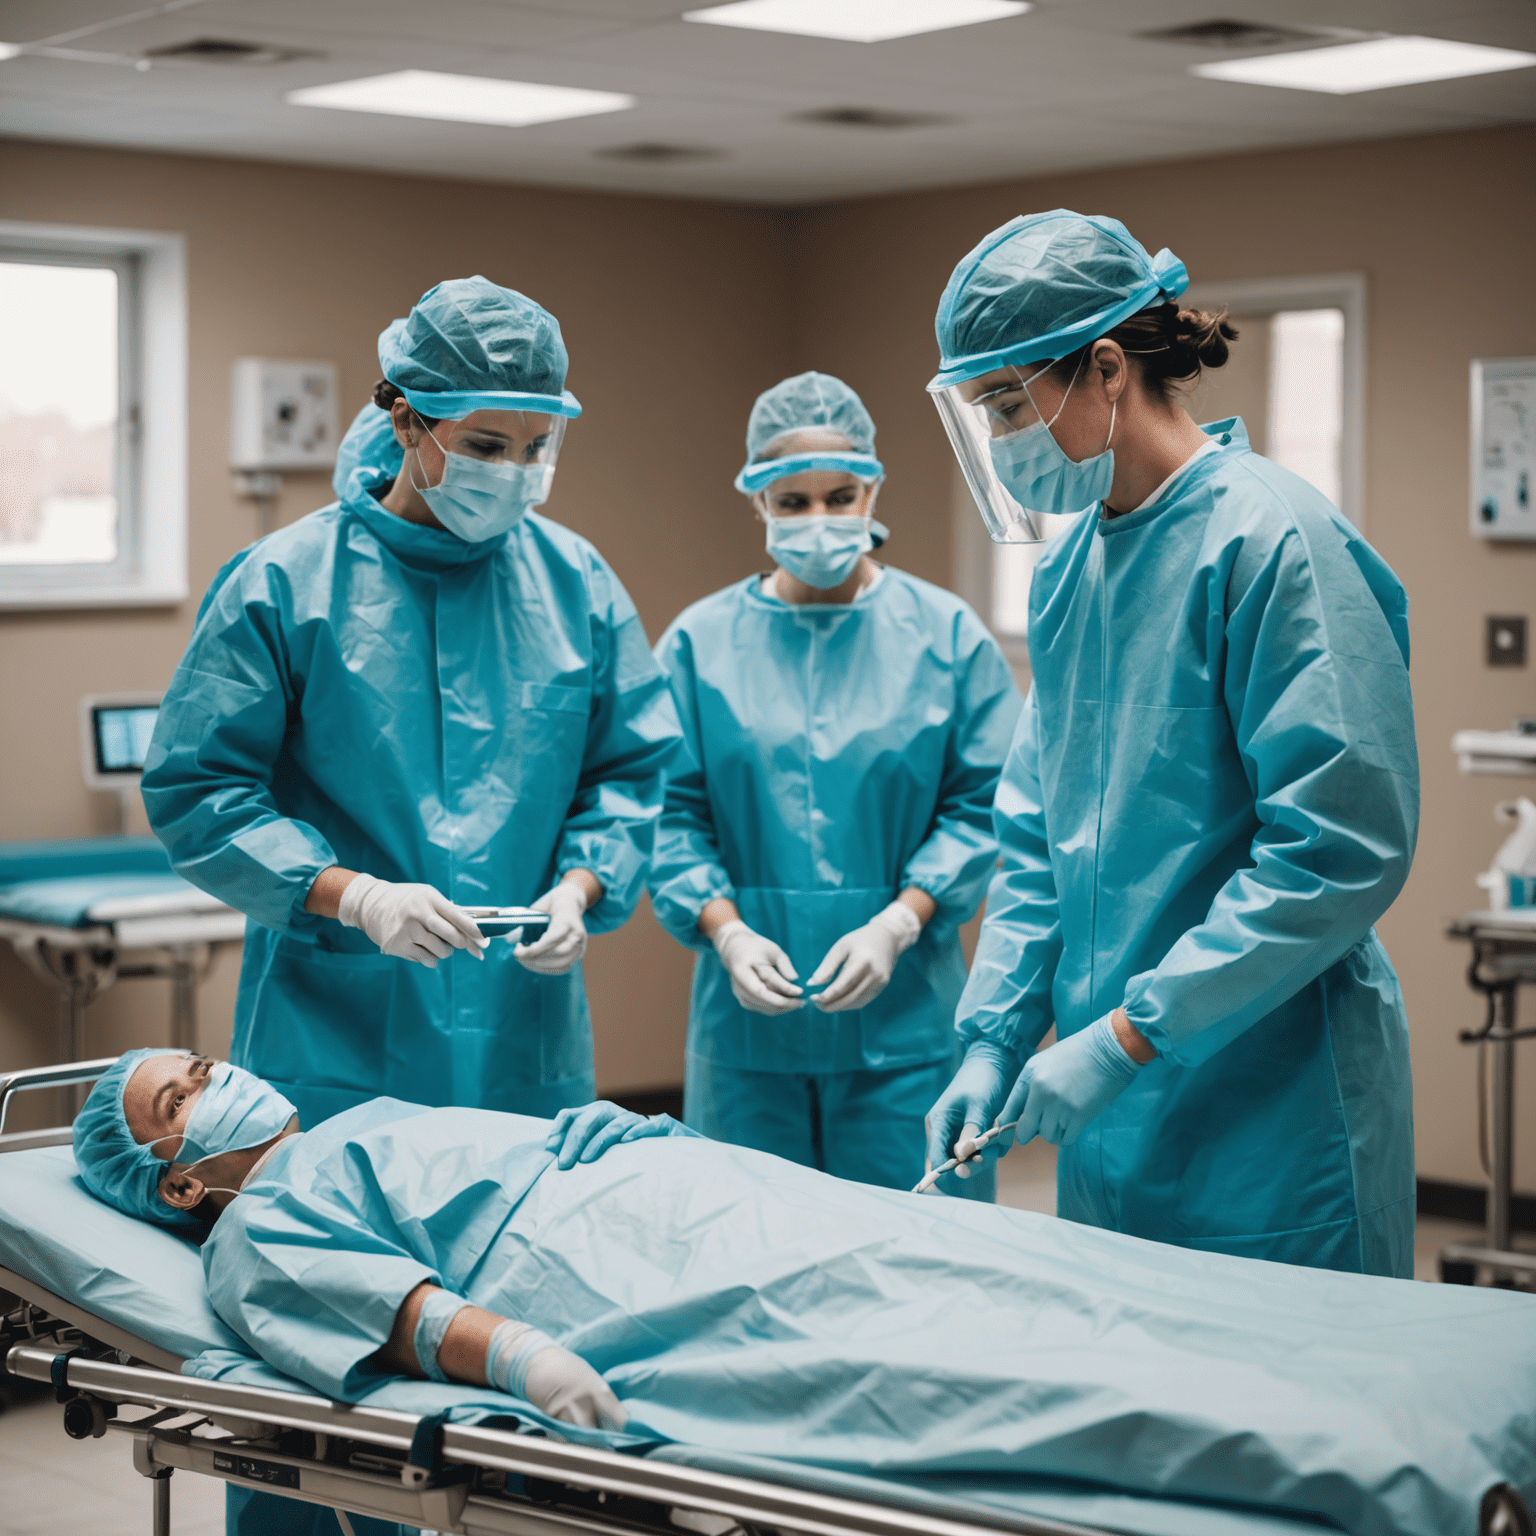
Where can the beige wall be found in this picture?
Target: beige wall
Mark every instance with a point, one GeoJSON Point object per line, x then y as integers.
{"type": "Point", "coordinates": [674, 315]}
{"type": "Point", "coordinates": [1445, 244]}
{"type": "Point", "coordinates": [677, 313]}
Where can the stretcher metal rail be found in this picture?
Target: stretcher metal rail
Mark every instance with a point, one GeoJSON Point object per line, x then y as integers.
{"type": "Point", "coordinates": [394, 1466]}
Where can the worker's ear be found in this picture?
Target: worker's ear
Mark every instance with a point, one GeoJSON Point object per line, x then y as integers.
{"type": "Point", "coordinates": [1110, 364]}
{"type": "Point", "coordinates": [184, 1191]}
{"type": "Point", "coordinates": [403, 419]}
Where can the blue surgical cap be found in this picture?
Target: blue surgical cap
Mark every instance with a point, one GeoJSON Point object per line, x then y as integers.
{"type": "Point", "coordinates": [808, 400]}
{"type": "Point", "coordinates": [370, 449]}
{"type": "Point", "coordinates": [471, 346]}
{"type": "Point", "coordinates": [1042, 286]}
{"type": "Point", "coordinates": [116, 1168]}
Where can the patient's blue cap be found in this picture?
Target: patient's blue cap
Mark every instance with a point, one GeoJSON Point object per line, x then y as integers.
{"type": "Point", "coordinates": [1043, 285]}
{"type": "Point", "coordinates": [116, 1168]}
{"type": "Point", "coordinates": [469, 345]}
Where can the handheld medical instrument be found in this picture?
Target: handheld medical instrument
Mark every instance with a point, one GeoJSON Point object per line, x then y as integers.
{"type": "Point", "coordinates": [504, 922]}
{"type": "Point", "coordinates": [929, 1180]}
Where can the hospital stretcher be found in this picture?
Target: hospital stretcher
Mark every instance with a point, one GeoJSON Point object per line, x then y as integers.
{"type": "Point", "coordinates": [74, 910]}
{"type": "Point", "coordinates": [112, 1313]}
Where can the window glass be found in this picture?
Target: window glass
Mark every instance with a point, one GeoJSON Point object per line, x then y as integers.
{"type": "Point", "coordinates": [59, 385]}
{"type": "Point", "coordinates": [1306, 396]}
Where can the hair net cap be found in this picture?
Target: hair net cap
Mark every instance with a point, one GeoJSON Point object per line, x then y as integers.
{"type": "Point", "coordinates": [114, 1167]}
{"type": "Point", "coordinates": [808, 400]}
{"type": "Point", "coordinates": [1042, 286]}
{"type": "Point", "coordinates": [469, 345]}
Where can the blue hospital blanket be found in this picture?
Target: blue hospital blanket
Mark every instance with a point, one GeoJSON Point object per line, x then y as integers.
{"type": "Point", "coordinates": [741, 1304]}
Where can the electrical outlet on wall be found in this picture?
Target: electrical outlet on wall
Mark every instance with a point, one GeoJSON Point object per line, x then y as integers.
{"type": "Point", "coordinates": [1504, 640]}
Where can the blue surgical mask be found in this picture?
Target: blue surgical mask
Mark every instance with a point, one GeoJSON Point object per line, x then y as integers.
{"type": "Point", "coordinates": [478, 501]}
{"type": "Point", "coordinates": [1041, 478]}
{"type": "Point", "coordinates": [234, 1111]}
{"type": "Point", "coordinates": [821, 548]}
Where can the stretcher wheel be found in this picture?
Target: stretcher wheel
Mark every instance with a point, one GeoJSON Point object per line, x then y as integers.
{"type": "Point", "coordinates": [1454, 1272]}
{"type": "Point", "coordinates": [85, 1418]}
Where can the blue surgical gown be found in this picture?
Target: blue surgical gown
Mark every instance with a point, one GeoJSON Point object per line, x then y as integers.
{"type": "Point", "coordinates": [834, 755]}
{"type": "Point", "coordinates": [1212, 796]}
{"type": "Point", "coordinates": [368, 692]}
{"type": "Point", "coordinates": [739, 1302]}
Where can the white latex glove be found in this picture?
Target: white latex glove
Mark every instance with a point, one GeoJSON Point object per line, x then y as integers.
{"type": "Point", "coordinates": [411, 922]}
{"type": "Point", "coordinates": [565, 940]}
{"type": "Point", "coordinates": [858, 967]}
{"type": "Point", "coordinates": [762, 977]}
{"type": "Point", "coordinates": [525, 1363]}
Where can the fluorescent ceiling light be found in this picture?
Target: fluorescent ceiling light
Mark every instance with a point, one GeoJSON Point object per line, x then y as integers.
{"type": "Point", "coordinates": [1369, 66]}
{"type": "Point", "coordinates": [460, 98]}
{"type": "Point", "coordinates": [857, 21]}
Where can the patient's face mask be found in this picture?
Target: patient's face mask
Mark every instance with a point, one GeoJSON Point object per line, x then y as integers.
{"type": "Point", "coordinates": [234, 1111]}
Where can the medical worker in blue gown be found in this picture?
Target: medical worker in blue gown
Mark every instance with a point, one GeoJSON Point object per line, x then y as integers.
{"type": "Point", "coordinates": [423, 698]}
{"type": "Point", "coordinates": [1212, 795]}
{"type": "Point", "coordinates": [828, 828]}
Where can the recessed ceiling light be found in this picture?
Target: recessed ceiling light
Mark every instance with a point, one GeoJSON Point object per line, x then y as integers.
{"type": "Point", "coordinates": [9, 50]}
{"type": "Point", "coordinates": [460, 98]}
{"type": "Point", "coordinates": [857, 21]}
{"type": "Point", "coordinates": [1369, 66]}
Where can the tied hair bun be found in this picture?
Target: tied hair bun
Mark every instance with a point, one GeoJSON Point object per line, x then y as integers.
{"type": "Point", "coordinates": [1200, 337]}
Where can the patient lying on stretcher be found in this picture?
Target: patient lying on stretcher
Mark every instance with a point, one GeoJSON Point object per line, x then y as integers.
{"type": "Point", "coordinates": [726, 1298]}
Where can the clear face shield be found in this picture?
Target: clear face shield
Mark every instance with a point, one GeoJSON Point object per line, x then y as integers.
{"type": "Point", "coordinates": [522, 438]}
{"type": "Point", "coordinates": [833, 493]}
{"type": "Point", "coordinates": [981, 416]}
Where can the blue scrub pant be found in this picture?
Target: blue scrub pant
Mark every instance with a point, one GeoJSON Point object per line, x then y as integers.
{"type": "Point", "coordinates": [865, 1126]}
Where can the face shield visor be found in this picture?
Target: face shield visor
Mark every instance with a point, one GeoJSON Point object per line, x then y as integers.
{"type": "Point", "coordinates": [988, 419]}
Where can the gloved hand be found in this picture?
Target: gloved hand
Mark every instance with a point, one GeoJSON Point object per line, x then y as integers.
{"type": "Point", "coordinates": [565, 940]}
{"type": "Point", "coordinates": [971, 1102]}
{"type": "Point", "coordinates": [583, 1135]}
{"type": "Point", "coordinates": [1064, 1086]}
{"type": "Point", "coordinates": [858, 967]}
{"type": "Point", "coordinates": [762, 977]}
{"type": "Point", "coordinates": [525, 1363]}
{"type": "Point", "coordinates": [411, 922]}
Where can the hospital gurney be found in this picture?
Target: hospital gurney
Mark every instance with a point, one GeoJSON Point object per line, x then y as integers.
{"type": "Point", "coordinates": [454, 1457]}
{"type": "Point", "coordinates": [1503, 958]}
{"type": "Point", "coordinates": [72, 911]}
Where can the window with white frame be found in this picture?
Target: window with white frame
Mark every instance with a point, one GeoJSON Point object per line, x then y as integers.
{"type": "Point", "coordinates": [92, 417]}
{"type": "Point", "coordinates": [1294, 377]}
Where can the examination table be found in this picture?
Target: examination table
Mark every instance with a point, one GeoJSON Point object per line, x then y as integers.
{"type": "Point", "coordinates": [115, 1315]}
{"type": "Point", "coordinates": [73, 909]}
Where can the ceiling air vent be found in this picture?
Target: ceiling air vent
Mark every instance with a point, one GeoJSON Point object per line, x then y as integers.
{"type": "Point", "coordinates": [223, 50]}
{"type": "Point", "coordinates": [657, 154]}
{"type": "Point", "coordinates": [1238, 34]}
{"type": "Point", "coordinates": [869, 117]}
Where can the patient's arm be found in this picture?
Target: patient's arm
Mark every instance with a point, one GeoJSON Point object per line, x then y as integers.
{"type": "Point", "coordinates": [461, 1355]}
{"type": "Point", "coordinates": [487, 1350]}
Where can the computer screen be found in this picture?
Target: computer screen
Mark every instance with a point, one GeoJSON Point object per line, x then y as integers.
{"type": "Point", "coordinates": [121, 735]}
